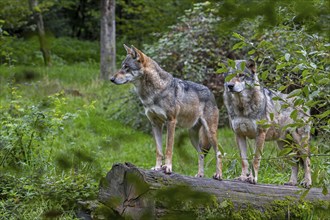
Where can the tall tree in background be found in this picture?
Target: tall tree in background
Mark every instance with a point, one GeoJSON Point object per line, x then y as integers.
{"type": "Point", "coordinates": [37, 17]}
{"type": "Point", "coordinates": [108, 39]}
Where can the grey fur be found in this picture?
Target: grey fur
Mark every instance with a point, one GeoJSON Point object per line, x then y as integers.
{"type": "Point", "coordinates": [172, 102]}
{"type": "Point", "coordinates": [247, 104]}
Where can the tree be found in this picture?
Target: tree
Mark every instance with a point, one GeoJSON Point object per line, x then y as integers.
{"type": "Point", "coordinates": [37, 16]}
{"type": "Point", "coordinates": [108, 39]}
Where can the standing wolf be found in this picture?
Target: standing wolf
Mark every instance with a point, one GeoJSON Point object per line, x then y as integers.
{"type": "Point", "coordinates": [172, 102]}
{"type": "Point", "coordinates": [247, 104]}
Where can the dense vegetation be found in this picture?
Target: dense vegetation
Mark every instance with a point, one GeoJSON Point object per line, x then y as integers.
{"type": "Point", "coordinates": [62, 128]}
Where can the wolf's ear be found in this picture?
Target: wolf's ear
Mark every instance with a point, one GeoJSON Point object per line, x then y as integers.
{"type": "Point", "coordinates": [251, 65]}
{"type": "Point", "coordinates": [128, 50]}
{"type": "Point", "coordinates": [138, 55]}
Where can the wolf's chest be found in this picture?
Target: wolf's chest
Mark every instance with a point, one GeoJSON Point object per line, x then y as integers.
{"type": "Point", "coordinates": [249, 128]}
{"type": "Point", "coordinates": [244, 126]}
{"type": "Point", "coordinates": [155, 113]}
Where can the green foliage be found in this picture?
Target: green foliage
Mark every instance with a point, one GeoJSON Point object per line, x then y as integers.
{"type": "Point", "coordinates": [14, 13]}
{"type": "Point", "coordinates": [69, 163]}
{"type": "Point", "coordinates": [141, 21]}
{"type": "Point", "coordinates": [63, 51]}
{"type": "Point", "coordinates": [6, 49]}
{"type": "Point", "coordinates": [191, 49]}
{"type": "Point", "coordinates": [26, 128]}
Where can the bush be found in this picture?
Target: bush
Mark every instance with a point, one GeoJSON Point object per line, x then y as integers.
{"type": "Point", "coordinates": [26, 128]}
{"type": "Point", "coordinates": [63, 51]}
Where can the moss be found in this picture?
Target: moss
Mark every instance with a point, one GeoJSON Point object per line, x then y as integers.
{"type": "Point", "coordinates": [296, 209]}
{"type": "Point", "coordinates": [288, 208]}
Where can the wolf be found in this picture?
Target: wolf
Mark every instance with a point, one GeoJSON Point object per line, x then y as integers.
{"type": "Point", "coordinates": [255, 114]}
{"type": "Point", "coordinates": [172, 102]}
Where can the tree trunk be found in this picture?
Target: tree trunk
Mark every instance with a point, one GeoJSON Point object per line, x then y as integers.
{"type": "Point", "coordinates": [37, 16]}
{"type": "Point", "coordinates": [108, 39]}
{"type": "Point", "coordinates": [131, 192]}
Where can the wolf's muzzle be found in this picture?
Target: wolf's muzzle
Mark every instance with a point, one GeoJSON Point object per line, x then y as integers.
{"type": "Point", "coordinates": [230, 86]}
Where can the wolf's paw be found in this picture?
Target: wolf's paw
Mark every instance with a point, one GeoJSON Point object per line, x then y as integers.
{"type": "Point", "coordinates": [167, 169]}
{"type": "Point", "coordinates": [290, 183]}
{"type": "Point", "coordinates": [306, 184]}
{"type": "Point", "coordinates": [199, 175]}
{"type": "Point", "coordinates": [248, 179]}
{"type": "Point", "coordinates": [217, 176]}
{"type": "Point", "coordinates": [251, 180]}
{"type": "Point", "coordinates": [156, 168]}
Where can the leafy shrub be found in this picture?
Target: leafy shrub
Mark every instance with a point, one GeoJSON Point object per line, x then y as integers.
{"type": "Point", "coordinates": [26, 128]}
{"type": "Point", "coordinates": [6, 50]}
{"type": "Point", "coordinates": [63, 51]}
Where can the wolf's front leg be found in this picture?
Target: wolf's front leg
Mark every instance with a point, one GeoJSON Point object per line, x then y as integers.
{"type": "Point", "coordinates": [260, 141]}
{"type": "Point", "coordinates": [307, 182]}
{"type": "Point", "coordinates": [294, 175]}
{"type": "Point", "coordinates": [169, 146]}
{"type": "Point", "coordinates": [157, 131]}
{"type": "Point", "coordinates": [241, 143]}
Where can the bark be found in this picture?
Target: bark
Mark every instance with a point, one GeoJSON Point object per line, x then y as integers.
{"type": "Point", "coordinates": [37, 16]}
{"type": "Point", "coordinates": [108, 39]}
{"type": "Point", "coordinates": [136, 193]}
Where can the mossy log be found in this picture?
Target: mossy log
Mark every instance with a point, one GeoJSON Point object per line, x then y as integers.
{"type": "Point", "coordinates": [131, 192]}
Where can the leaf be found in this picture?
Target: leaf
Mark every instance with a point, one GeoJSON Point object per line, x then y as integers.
{"type": "Point", "coordinates": [221, 149]}
{"type": "Point", "coordinates": [238, 36]}
{"type": "Point", "coordinates": [305, 73]}
{"type": "Point", "coordinates": [323, 115]}
{"type": "Point", "coordinates": [287, 56]}
{"type": "Point", "coordinates": [306, 91]}
{"type": "Point", "coordinates": [313, 65]}
{"type": "Point", "coordinates": [229, 77]}
{"type": "Point", "coordinates": [281, 66]}
{"type": "Point", "coordinates": [285, 151]}
{"type": "Point", "coordinates": [221, 70]}
{"type": "Point", "coordinates": [231, 63]}
{"type": "Point", "coordinates": [294, 114]}
{"type": "Point", "coordinates": [238, 45]}
{"type": "Point", "coordinates": [283, 87]}
{"type": "Point", "coordinates": [303, 52]}
{"type": "Point", "coordinates": [264, 75]}
{"type": "Point", "coordinates": [252, 52]}
{"type": "Point", "coordinates": [294, 93]}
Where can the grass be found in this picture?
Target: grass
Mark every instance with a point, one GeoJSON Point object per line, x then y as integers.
{"type": "Point", "coordinates": [66, 161]}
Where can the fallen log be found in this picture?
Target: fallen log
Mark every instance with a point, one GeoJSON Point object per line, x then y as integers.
{"type": "Point", "coordinates": [131, 192]}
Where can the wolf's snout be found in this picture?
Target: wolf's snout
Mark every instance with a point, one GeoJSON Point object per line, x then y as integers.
{"type": "Point", "coordinates": [230, 86]}
{"type": "Point", "coordinates": [112, 79]}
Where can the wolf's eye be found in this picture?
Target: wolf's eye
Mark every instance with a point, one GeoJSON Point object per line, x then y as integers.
{"type": "Point", "coordinates": [125, 66]}
{"type": "Point", "coordinates": [241, 75]}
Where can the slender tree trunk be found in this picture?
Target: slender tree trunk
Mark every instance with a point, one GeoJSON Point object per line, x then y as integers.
{"type": "Point", "coordinates": [37, 16]}
{"type": "Point", "coordinates": [108, 39]}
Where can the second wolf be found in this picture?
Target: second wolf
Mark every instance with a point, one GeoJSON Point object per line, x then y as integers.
{"type": "Point", "coordinates": [248, 104]}
{"type": "Point", "coordinates": [172, 102]}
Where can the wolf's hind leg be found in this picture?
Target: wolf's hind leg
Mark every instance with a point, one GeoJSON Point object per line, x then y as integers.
{"type": "Point", "coordinates": [210, 128]}
{"type": "Point", "coordinates": [197, 138]}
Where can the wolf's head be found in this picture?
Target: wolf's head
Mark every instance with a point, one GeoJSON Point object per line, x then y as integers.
{"type": "Point", "coordinates": [243, 76]}
{"type": "Point", "coordinates": [131, 68]}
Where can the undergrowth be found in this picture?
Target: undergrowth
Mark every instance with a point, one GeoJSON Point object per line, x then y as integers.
{"type": "Point", "coordinates": [59, 136]}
